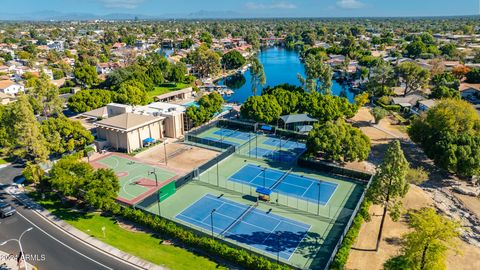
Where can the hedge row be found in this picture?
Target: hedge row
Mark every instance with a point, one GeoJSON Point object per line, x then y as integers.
{"type": "Point", "coordinates": [236, 256]}
{"type": "Point", "coordinates": [394, 108]}
{"type": "Point", "coordinates": [341, 257]}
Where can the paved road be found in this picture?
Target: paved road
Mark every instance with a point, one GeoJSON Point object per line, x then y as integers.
{"type": "Point", "coordinates": [53, 248]}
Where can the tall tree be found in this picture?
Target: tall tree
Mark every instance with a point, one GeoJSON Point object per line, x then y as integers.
{"type": "Point", "coordinates": [427, 245]}
{"type": "Point", "coordinates": [86, 74]}
{"type": "Point", "coordinates": [338, 141]}
{"type": "Point", "coordinates": [258, 75]}
{"type": "Point", "coordinates": [205, 61]}
{"type": "Point", "coordinates": [64, 135]}
{"type": "Point", "coordinates": [233, 59]}
{"type": "Point", "coordinates": [319, 74]}
{"type": "Point", "coordinates": [413, 76]}
{"type": "Point", "coordinates": [390, 185]}
{"type": "Point", "coordinates": [449, 133]}
{"type": "Point", "coordinates": [30, 143]}
{"type": "Point", "coordinates": [102, 188]}
{"type": "Point", "coordinates": [263, 108]}
{"type": "Point", "coordinates": [381, 79]}
{"type": "Point", "coordinates": [46, 95]}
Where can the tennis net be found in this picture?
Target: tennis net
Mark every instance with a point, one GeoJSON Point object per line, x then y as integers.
{"type": "Point", "coordinates": [226, 133]}
{"type": "Point", "coordinates": [281, 179]}
{"type": "Point", "coordinates": [239, 219]}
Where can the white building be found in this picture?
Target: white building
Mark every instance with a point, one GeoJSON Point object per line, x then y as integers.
{"type": "Point", "coordinates": [10, 87]}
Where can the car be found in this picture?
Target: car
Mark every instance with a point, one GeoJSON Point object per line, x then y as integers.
{"type": "Point", "coordinates": [6, 210]}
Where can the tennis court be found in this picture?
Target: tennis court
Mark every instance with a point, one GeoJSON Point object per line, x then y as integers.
{"type": "Point", "coordinates": [224, 132]}
{"type": "Point", "coordinates": [265, 231]}
{"type": "Point", "coordinates": [221, 140]}
{"type": "Point", "coordinates": [137, 179]}
{"type": "Point", "coordinates": [275, 155]}
{"type": "Point", "coordinates": [287, 183]}
{"type": "Point", "coordinates": [295, 146]}
{"type": "Point", "coordinates": [225, 135]}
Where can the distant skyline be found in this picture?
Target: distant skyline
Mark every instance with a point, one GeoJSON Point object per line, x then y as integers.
{"type": "Point", "coordinates": [249, 8]}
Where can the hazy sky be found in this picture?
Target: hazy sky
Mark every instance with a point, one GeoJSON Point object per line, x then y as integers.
{"type": "Point", "coordinates": [280, 8]}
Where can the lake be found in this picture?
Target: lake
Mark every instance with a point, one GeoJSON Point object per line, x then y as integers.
{"type": "Point", "coordinates": [281, 66]}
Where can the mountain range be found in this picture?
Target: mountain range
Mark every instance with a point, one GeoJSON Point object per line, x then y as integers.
{"type": "Point", "coordinates": [50, 15]}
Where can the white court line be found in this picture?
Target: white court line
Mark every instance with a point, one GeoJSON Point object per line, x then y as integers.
{"type": "Point", "coordinates": [215, 210]}
{"type": "Point", "coordinates": [128, 183]}
{"type": "Point", "coordinates": [279, 221]}
{"type": "Point", "coordinates": [307, 189]}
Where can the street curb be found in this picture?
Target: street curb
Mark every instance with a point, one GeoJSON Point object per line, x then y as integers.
{"type": "Point", "coordinates": [81, 236]}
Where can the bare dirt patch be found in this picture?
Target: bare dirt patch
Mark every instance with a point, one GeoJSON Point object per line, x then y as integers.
{"type": "Point", "coordinates": [363, 256]}
{"type": "Point", "coordinates": [435, 192]}
{"type": "Point", "coordinates": [179, 156]}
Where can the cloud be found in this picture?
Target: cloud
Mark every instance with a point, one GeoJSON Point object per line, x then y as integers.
{"type": "Point", "coordinates": [350, 4]}
{"type": "Point", "coordinates": [127, 4]}
{"type": "Point", "coordinates": [272, 5]}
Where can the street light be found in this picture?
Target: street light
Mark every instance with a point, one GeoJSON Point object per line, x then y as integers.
{"type": "Point", "coordinates": [211, 220]}
{"type": "Point", "coordinates": [20, 244]}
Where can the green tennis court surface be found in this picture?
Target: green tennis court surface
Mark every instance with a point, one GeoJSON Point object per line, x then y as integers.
{"type": "Point", "coordinates": [137, 179]}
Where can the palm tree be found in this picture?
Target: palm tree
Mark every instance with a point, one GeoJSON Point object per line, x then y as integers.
{"type": "Point", "coordinates": [258, 75]}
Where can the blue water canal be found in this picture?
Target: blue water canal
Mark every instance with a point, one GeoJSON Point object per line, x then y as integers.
{"type": "Point", "coordinates": [281, 66]}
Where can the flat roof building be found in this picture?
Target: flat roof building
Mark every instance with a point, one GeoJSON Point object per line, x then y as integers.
{"type": "Point", "coordinates": [129, 131]}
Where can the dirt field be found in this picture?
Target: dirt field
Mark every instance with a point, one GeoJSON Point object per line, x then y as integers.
{"type": "Point", "coordinates": [362, 256]}
{"type": "Point", "coordinates": [181, 156]}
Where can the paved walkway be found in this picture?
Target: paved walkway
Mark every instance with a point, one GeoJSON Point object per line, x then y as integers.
{"type": "Point", "coordinates": [9, 262]}
{"type": "Point", "coordinates": [140, 263]}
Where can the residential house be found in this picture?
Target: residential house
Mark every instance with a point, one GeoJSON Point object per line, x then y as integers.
{"type": "Point", "coordinates": [6, 98]}
{"type": "Point", "coordinates": [10, 87]}
{"type": "Point", "coordinates": [427, 104]}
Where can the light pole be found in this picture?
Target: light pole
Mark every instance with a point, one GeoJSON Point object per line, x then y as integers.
{"type": "Point", "coordinates": [218, 173]}
{"type": "Point", "coordinates": [154, 172]}
{"type": "Point", "coordinates": [158, 202]}
{"type": "Point", "coordinates": [165, 151]}
{"type": "Point", "coordinates": [318, 200]}
{"type": "Point", "coordinates": [20, 245]}
{"type": "Point", "coordinates": [264, 177]}
{"type": "Point", "coordinates": [211, 220]}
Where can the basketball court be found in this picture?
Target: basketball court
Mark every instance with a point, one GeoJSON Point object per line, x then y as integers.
{"type": "Point", "coordinates": [138, 180]}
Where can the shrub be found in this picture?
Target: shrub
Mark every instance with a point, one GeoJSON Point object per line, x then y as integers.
{"type": "Point", "coordinates": [342, 255]}
{"type": "Point", "coordinates": [385, 100]}
{"type": "Point", "coordinates": [189, 238]}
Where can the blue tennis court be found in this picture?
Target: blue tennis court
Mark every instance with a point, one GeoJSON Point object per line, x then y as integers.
{"type": "Point", "coordinates": [292, 185]}
{"type": "Point", "coordinates": [220, 140]}
{"type": "Point", "coordinates": [246, 224]}
{"type": "Point", "coordinates": [275, 155]}
{"type": "Point", "coordinates": [224, 132]}
{"type": "Point", "coordinates": [290, 145]}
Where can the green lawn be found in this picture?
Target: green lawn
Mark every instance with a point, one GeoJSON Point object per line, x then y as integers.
{"type": "Point", "coordinates": [167, 87]}
{"type": "Point", "coordinates": [143, 245]}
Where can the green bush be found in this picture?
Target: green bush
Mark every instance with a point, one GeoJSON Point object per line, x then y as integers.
{"type": "Point", "coordinates": [189, 238]}
{"type": "Point", "coordinates": [341, 257]}
{"type": "Point", "coordinates": [385, 100]}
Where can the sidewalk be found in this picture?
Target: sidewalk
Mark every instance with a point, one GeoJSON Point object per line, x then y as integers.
{"type": "Point", "coordinates": [9, 262]}
{"type": "Point", "coordinates": [114, 252]}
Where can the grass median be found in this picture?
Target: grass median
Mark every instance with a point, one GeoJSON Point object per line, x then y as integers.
{"type": "Point", "coordinates": [141, 244]}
